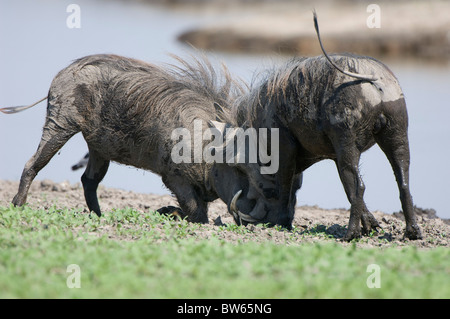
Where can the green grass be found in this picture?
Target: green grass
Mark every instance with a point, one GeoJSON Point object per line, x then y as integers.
{"type": "Point", "coordinates": [126, 254]}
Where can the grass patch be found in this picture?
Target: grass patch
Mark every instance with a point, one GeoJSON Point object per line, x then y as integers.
{"type": "Point", "coordinates": [127, 254]}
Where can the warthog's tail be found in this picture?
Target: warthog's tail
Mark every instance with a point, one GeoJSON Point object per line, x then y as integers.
{"type": "Point", "coordinates": [16, 109]}
{"type": "Point", "coordinates": [363, 77]}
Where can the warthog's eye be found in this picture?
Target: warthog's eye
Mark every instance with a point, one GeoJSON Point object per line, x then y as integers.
{"type": "Point", "coordinates": [240, 170]}
{"type": "Point", "coordinates": [270, 177]}
{"type": "Point", "coordinates": [270, 193]}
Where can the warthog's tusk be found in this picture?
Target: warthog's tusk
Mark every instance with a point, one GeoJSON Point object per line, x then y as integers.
{"type": "Point", "coordinates": [233, 207]}
{"type": "Point", "coordinates": [235, 211]}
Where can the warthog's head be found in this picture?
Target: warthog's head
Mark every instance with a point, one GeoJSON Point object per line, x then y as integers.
{"type": "Point", "coordinates": [250, 204]}
{"type": "Point", "coordinates": [253, 188]}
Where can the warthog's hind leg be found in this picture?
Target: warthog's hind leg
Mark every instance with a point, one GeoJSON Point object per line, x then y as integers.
{"type": "Point", "coordinates": [53, 138]}
{"type": "Point", "coordinates": [394, 142]}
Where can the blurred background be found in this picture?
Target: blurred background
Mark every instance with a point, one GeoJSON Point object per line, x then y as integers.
{"type": "Point", "coordinates": [39, 37]}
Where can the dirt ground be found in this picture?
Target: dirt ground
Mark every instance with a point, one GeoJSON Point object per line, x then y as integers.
{"type": "Point", "coordinates": [311, 223]}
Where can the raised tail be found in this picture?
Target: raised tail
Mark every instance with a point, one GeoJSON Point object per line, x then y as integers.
{"type": "Point", "coordinates": [16, 109]}
{"type": "Point", "coordinates": [363, 77]}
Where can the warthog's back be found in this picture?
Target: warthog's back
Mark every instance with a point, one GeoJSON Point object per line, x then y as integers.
{"type": "Point", "coordinates": [127, 109]}
{"type": "Point", "coordinates": [316, 97]}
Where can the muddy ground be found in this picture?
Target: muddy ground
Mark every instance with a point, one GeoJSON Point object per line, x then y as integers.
{"type": "Point", "coordinates": [311, 223]}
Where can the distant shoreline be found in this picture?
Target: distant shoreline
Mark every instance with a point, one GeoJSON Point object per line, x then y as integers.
{"type": "Point", "coordinates": [418, 29]}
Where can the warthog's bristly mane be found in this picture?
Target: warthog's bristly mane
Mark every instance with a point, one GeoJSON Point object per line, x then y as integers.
{"type": "Point", "coordinates": [156, 88]}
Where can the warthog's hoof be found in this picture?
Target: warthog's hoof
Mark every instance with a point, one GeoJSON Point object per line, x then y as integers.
{"type": "Point", "coordinates": [413, 232]}
{"type": "Point", "coordinates": [369, 223]}
{"type": "Point", "coordinates": [19, 200]}
{"type": "Point", "coordinates": [352, 234]}
{"type": "Point", "coordinates": [172, 211]}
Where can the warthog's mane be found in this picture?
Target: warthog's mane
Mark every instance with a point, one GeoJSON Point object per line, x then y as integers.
{"type": "Point", "coordinates": [199, 75]}
{"type": "Point", "coordinates": [185, 91]}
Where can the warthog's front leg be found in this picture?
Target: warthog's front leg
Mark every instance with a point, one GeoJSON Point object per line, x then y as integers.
{"type": "Point", "coordinates": [195, 208]}
{"type": "Point", "coordinates": [393, 140]}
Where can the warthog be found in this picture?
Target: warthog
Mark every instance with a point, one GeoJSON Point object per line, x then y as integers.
{"type": "Point", "coordinates": [127, 110]}
{"type": "Point", "coordinates": [326, 112]}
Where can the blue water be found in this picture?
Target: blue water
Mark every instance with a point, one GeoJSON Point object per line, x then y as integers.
{"type": "Point", "coordinates": [35, 43]}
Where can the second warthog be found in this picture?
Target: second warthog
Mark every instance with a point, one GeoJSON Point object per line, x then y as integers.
{"type": "Point", "coordinates": [332, 108]}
